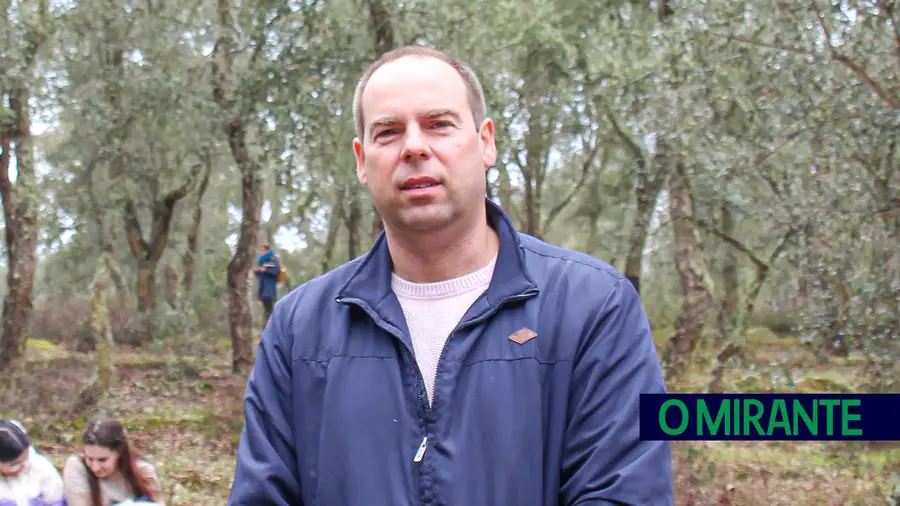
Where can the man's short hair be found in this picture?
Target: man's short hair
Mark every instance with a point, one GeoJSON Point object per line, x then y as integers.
{"type": "Point", "coordinates": [473, 85]}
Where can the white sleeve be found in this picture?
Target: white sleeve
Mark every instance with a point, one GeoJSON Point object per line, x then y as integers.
{"type": "Point", "coordinates": [51, 482]}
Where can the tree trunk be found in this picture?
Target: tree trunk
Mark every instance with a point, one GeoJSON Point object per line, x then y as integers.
{"type": "Point", "coordinates": [650, 173]}
{"type": "Point", "coordinates": [114, 273]}
{"type": "Point", "coordinates": [382, 27]}
{"type": "Point", "coordinates": [146, 286]}
{"type": "Point", "coordinates": [696, 299]}
{"type": "Point", "coordinates": [20, 212]}
{"type": "Point", "coordinates": [334, 222]}
{"type": "Point", "coordinates": [637, 239]}
{"type": "Point", "coordinates": [148, 253]}
{"type": "Point", "coordinates": [505, 190]}
{"type": "Point", "coordinates": [537, 142]}
{"type": "Point", "coordinates": [353, 224]}
{"type": "Point", "coordinates": [171, 278]}
{"type": "Point", "coordinates": [239, 312]}
{"type": "Point", "coordinates": [101, 335]}
{"type": "Point", "coordinates": [727, 320]}
{"type": "Point", "coordinates": [189, 261]}
{"type": "Point", "coordinates": [113, 55]}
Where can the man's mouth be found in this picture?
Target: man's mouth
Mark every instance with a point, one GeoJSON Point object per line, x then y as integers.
{"type": "Point", "coordinates": [419, 183]}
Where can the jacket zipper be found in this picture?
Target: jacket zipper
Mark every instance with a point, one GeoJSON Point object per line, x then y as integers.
{"type": "Point", "coordinates": [426, 413]}
{"type": "Point", "coordinates": [422, 408]}
{"type": "Point", "coordinates": [421, 401]}
{"type": "Point", "coordinates": [429, 411]}
{"type": "Point", "coordinates": [421, 452]}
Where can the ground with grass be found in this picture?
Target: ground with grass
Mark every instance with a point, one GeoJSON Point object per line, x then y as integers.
{"type": "Point", "coordinates": [184, 414]}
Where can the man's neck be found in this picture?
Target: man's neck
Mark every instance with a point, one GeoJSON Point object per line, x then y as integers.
{"type": "Point", "coordinates": [438, 257]}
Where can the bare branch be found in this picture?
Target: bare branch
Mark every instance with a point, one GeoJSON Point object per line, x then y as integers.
{"type": "Point", "coordinates": [852, 65]}
{"type": "Point", "coordinates": [835, 55]}
{"type": "Point", "coordinates": [585, 170]}
{"type": "Point", "coordinates": [768, 45]}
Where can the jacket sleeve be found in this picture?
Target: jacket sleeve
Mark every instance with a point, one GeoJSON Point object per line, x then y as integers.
{"type": "Point", "coordinates": [604, 460]}
{"type": "Point", "coordinates": [51, 483]}
{"type": "Point", "coordinates": [266, 471]}
{"type": "Point", "coordinates": [273, 268]}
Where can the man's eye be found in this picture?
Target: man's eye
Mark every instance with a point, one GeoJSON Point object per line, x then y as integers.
{"type": "Point", "coordinates": [441, 124]}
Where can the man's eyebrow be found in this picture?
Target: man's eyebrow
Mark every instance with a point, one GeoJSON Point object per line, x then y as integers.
{"type": "Point", "coordinates": [390, 120]}
{"type": "Point", "coordinates": [436, 113]}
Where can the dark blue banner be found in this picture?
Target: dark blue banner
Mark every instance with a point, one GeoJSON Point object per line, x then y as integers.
{"type": "Point", "coordinates": [770, 417]}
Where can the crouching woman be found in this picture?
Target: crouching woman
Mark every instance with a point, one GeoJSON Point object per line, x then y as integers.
{"type": "Point", "coordinates": [109, 471]}
{"type": "Point", "coordinates": [26, 476]}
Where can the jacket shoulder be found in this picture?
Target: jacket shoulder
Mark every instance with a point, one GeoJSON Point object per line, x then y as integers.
{"type": "Point", "coordinates": [544, 259]}
{"type": "Point", "coordinates": [323, 288]}
{"type": "Point", "coordinates": [43, 464]}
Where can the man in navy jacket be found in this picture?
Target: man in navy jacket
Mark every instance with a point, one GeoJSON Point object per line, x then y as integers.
{"type": "Point", "coordinates": [458, 362]}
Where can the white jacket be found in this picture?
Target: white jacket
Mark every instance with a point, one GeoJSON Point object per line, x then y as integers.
{"type": "Point", "coordinates": [38, 483]}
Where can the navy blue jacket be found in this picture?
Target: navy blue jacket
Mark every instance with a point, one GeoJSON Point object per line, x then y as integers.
{"type": "Point", "coordinates": [336, 411]}
{"type": "Point", "coordinates": [268, 279]}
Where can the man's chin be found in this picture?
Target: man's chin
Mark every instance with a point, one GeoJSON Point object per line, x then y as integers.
{"type": "Point", "coordinates": [426, 218]}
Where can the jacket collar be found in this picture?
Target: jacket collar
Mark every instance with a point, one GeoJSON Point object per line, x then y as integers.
{"type": "Point", "coordinates": [371, 281]}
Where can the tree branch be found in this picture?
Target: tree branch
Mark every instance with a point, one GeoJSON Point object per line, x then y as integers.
{"type": "Point", "coordinates": [585, 170]}
{"type": "Point", "coordinates": [133, 232]}
{"type": "Point", "coordinates": [767, 45]}
{"type": "Point", "coordinates": [736, 244]}
{"type": "Point", "coordinates": [180, 192]}
{"type": "Point", "coordinates": [850, 64]}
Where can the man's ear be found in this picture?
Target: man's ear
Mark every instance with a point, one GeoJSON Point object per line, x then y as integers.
{"type": "Point", "coordinates": [488, 146]}
{"type": "Point", "coordinates": [360, 161]}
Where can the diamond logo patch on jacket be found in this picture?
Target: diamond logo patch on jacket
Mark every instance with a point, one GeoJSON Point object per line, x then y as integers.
{"type": "Point", "coordinates": [523, 335]}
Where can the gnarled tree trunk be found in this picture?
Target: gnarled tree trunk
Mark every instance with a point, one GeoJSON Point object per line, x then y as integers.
{"type": "Point", "coordinates": [189, 261]}
{"type": "Point", "coordinates": [148, 252]}
{"type": "Point", "coordinates": [101, 335]}
{"type": "Point", "coordinates": [20, 212]}
{"type": "Point", "coordinates": [20, 200]}
{"type": "Point", "coordinates": [239, 313]}
{"type": "Point", "coordinates": [696, 298]}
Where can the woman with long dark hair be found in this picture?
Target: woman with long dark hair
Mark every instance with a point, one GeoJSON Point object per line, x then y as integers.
{"type": "Point", "coordinates": [110, 471]}
{"type": "Point", "coordinates": [26, 476]}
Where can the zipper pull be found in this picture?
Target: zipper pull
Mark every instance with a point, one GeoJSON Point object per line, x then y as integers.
{"type": "Point", "coordinates": [421, 451]}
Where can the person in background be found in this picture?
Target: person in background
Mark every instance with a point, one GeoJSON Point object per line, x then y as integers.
{"type": "Point", "coordinates": [26, 476]}
{"type": "Point", "coordinates": [459, 361]}
{"type": "Point", "coordinates": [268, 266]}
{"type": "Point", "coordinates": [110, 471]}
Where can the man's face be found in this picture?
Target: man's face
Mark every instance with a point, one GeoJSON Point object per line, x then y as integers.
{"type": "Point", "coordinates": [422, 155]}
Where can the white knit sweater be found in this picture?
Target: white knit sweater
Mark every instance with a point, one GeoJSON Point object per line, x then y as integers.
{"type": "Point", "coordinates": [433, 310]}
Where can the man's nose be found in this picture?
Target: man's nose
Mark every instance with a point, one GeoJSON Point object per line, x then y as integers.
{"type": "Point", "coordinates": [415, 146]}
